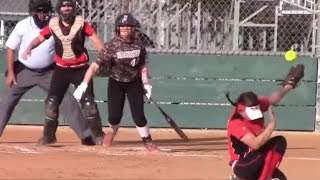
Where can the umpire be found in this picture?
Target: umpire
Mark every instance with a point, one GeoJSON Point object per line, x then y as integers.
{"type": "Point", "coordinates": [37, 71]}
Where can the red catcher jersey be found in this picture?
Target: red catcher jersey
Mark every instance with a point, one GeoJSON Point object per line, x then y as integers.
{"type": "Point", "coordinates": [238, 127]}
{"type": "Point", "coordinates": [77, 44]}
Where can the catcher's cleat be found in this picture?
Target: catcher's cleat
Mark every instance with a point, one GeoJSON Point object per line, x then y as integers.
{"type": "Point", "coordinates": [88, 141]}
{"type": "Point", "coordinates": [151, 147]}
{"type": "Point", "coordinates": [294, 76]}
{"type": "Point", "coordinates": [108, 139]}
{"type": "Point", "coordinates": [47, 141]}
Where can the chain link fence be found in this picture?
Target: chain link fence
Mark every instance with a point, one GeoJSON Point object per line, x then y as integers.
{"type": "Point", "coordinates": [270, 26]}
{"type": "Point", "coordinates": [246, 27]}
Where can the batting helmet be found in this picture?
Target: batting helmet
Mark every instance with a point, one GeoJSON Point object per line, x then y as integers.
{"type": "Point", "coordinates": [126, 19]}
{"type": "Point", "coordinates": [35, 4]}
{"type": "Point", "coordinates": [68, 17]}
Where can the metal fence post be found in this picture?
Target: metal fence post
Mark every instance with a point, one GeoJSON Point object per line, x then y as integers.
{"type": "Point", "coordinates": [317, 53]}
{"type": "Point", "coordinates": [236, 25]}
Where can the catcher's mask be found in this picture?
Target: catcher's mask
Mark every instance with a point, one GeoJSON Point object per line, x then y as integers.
{"type": "Point", "coordinates": [67, 16]}
{"type": "Point", "coordinates": [127, 21]}
{"type": "Point", "coordinates": [247, 106]}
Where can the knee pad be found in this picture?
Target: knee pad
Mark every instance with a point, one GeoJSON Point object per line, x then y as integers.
{"type": "Point", "coordinates": [52, 108]}
{"type": "Point", "coordinates": [90, 108]}
{"type": "Point", "coordinates": [91, 112]}
{"type": "Point", "coordinates": [281, 144]}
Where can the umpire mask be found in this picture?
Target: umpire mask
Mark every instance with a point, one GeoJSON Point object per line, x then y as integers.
{"type": "Point", "coordinates": [40, 10]}
{"type": "Point", "coordinates": [41, 17]}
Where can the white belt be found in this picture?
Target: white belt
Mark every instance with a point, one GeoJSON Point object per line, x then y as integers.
{"type": "Point", "coordinates": [71, 66]}
{"type": "Point", "coordinates": [234, 163]}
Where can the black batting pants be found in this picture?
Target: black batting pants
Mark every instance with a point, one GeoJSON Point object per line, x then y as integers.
{"type": "Point", "coordinates": [116, 99]}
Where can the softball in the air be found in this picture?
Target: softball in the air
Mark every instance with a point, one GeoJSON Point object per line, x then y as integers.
{"type": "Point", "coordinates": [290, 55]}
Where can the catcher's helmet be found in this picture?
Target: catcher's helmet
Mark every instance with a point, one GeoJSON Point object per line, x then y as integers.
{"type": "Point", "coordinates": [35, 4]}
{"type": "Point", "coordinates": [126, 19]}
{"type": "Point", "coordinates": [247, 106]}
{"type": "Point", "coordinates": [68, 17]}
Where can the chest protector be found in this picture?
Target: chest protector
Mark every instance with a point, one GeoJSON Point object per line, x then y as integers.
{"type": "Point", "coordinates": [66, 40]}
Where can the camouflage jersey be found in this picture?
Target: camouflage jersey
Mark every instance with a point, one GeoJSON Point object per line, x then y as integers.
{"type": "Point", "coordinates": [122, 59]}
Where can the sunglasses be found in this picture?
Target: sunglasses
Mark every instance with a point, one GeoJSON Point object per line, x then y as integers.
{"type": "Point", "coordinates": [67, 5]}
{"type": "Point", "coordinates": [126, 26]}
{"type": "Point", "coordinates": [43, 10]}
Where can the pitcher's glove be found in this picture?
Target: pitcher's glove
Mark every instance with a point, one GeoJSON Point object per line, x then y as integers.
{"type": "Point", "coordinates": [294, 76]}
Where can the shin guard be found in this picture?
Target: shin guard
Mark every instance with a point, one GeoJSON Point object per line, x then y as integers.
{"type": "Point", "coordinates": [95, 125]}
{"type": "Point", "coordinates": [92, 114]}
{"type": "Point", "coordinates": [49, 132]}
{"type": "Point", "coordinates": [274, 162]}
{"type": "Point", "coordinates": [266, 168]}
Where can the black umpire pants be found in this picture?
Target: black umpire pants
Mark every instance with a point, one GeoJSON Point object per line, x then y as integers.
{"type": "Point", "coordinates": [28, 79]}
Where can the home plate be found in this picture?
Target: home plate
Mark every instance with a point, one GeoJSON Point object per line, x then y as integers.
{"type": "Point", "coordinates": [166, 149]}
{"type": "Point", "coordinates": [144, 149]}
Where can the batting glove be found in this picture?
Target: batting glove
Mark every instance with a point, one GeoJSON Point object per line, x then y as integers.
{"type": "Point", "coordinates": [147, 88]}
{"type": "Point", "coordinates": [80, 91]}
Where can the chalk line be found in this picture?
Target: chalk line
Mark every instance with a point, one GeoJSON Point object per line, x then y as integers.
{"type": "Point", "coordinates": [131, 152]}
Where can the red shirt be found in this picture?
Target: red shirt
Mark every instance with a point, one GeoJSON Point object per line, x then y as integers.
{"type": "Point", "coordinates": [87, 30]}
{"type": "Point", "coordinates": [238, 127]}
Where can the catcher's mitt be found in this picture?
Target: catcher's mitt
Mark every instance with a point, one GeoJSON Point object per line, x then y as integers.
{"type": "Point", "coordinates": [103, 71]}
{"type": "Point", "coordinates": [294, 75]}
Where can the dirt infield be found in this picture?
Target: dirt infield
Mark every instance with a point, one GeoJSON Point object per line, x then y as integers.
{"type": "Point", "coordinates": [205, 157]}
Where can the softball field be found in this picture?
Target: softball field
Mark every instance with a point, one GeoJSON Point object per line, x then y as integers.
{"type": "Point", "coordinates": [204, 157]}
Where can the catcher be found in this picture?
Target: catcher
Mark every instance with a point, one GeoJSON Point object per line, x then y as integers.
{"type": "Point", "coordinates": [254, 154]}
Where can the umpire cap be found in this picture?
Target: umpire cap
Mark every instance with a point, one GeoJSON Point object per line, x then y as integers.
{"type": "Point", "coordinates": [33, 5]}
